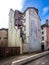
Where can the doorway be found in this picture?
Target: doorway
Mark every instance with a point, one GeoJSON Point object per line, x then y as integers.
{"type": "Point", "coordinates": [42, 47]}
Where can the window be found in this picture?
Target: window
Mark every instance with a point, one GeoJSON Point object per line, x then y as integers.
{"type": "Point", "coordinates": [0, 37]}
{"type": "Point", "coordinates": [5, 38]}
{"type": "Point", "coordinates": [42, 32]}
{"type": "Point", "coordinates": [42, 28]}
{"type": "Point", "coordinates": [42, 38]}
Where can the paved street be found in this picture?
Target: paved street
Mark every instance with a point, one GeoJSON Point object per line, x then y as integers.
{"type": "Point", "coordinates": [41, 61]}
{"type": "Point", "coordinates": [9, 60]}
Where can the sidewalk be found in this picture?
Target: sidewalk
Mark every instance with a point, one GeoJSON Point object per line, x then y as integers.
{"type": "Point", "coordinates": [9, 60]}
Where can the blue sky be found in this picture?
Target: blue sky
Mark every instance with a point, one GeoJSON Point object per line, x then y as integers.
{"type": "Point", "coordinates": [5, 5]}
{"type": "Point", "coordinates": [41, 5]}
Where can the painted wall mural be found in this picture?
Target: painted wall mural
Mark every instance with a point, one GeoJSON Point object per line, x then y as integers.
{"type": "Point", "coordinates": [34, 43]}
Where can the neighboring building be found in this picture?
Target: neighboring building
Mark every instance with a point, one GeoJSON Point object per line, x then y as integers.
{"type": "Point", "coordinates": [25, 30]}
{"type": "Point", "coordinates": [14, 39]}
{"type": "Point", "coordinates": [48, 36]}
{"type": "Point", "coordinates": [45, 35]}
{"type": "Point", "coordinates": [3, 37]}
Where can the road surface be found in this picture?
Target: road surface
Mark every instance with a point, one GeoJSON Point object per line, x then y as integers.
{"type": "Point", "coordinates": [41, 61]}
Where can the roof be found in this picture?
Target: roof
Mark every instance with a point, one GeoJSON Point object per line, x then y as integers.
{"type": "Point", "coordinates": [4, 29]}
{"type": "Point", "coordinates": [44, 25]}
{"type": "Point", "coordinates": [11, 9]}
{"type": "Point", "coordinates": [32, 8]}
{"type": "Point", "coordinates": [18, 11]}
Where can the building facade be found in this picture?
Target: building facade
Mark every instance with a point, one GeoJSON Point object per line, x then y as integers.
{"type": "Point", "coordinates": [32, 30]}
{"type": "Point", "coordinates": [45, 35]}
{"type": "Point", "coordinates": [48, 36]}
{"type": "Point", "coordinates": [24, 30]}
{"type": "Point", "coordinates": [14, 39]}
{"type": "Point", "coordinates": [3, 37]}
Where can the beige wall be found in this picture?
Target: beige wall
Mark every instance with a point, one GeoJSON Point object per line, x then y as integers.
{"type": "Point", "coordinates": [27, 26]}
{"type": "Point", "coordinates": [3, 37]}
{"type": "Point", "coordinates": [14, 39]}
{"type": "Point", "coordinates": [11, 37]}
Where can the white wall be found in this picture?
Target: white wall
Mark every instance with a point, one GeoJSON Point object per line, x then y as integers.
{"type": "Point", "coordinates": [26, 23]}
{"type": "Point", "coordinates": [14, 39]}
{"type": "Point", "coordinates": [11, 36]}
{"type": "Point", "coordinates": [45, 37]}
{"type": "Point", "coordinates": [31, 44]}
{"type": "Point", "coordinates": [34, 36]}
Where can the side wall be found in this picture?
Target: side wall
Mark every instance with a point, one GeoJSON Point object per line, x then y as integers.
{"type": "Point", "coordinates": [14, 39]}
{"type": "Point", "coordinates": [35, 31]}
{"type": "Point", "coordinates": [44, 30]}
{"type": "Point", "coordinates": [33, 39]}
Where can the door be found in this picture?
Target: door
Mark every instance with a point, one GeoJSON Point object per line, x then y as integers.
{"type": "Point", "coordinates": [42, 47]}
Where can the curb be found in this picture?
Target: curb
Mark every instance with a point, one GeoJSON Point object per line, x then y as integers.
{"type": "Point", "coordinates": [30, 58]}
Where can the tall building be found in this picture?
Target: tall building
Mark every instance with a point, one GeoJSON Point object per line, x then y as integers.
{"type": "Point", "coordinates": [14, 39]}
{"type": "Point", "coordinates": [45, 35]}
{"type": "Point", "coordinates": [32, 30]}
{"type": "Point", "coordinates": [24, 30]}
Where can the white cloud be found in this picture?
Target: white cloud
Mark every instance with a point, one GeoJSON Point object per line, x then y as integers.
{"type": "Point", "coordinates": [5, 6]}
{"type": "Point", "coordinates": [45, 10]}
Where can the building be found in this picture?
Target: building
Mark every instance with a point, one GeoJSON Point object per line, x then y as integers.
{"type": "Point", "coordinates": [32, 30]}
{"type": "Point", "coordinates": [14, 38]}
{"type": "Point", "coordinates": [25, 30]}
{"type": "Point", "coordinates": [45, 35]}
{"type": "Point", "coordinates": [3, 37]}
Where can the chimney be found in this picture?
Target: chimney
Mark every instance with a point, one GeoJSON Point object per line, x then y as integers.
{"type": "Point", "coordinates": [46, 22]}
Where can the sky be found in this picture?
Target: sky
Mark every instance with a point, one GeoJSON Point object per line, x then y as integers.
{"type": "Point", "coordinates": [41, 5]}
{"type": "Point", "coordinates": [5, 5]}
